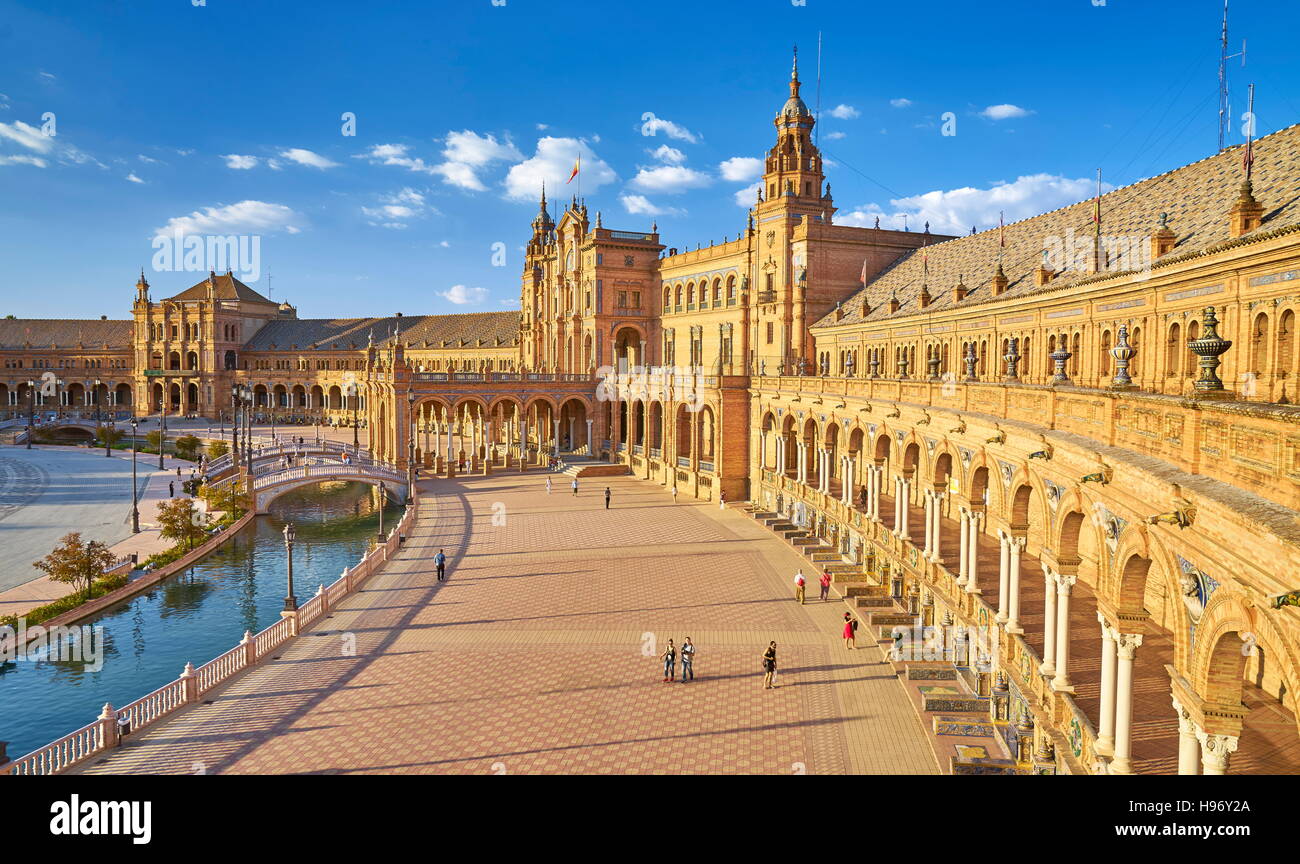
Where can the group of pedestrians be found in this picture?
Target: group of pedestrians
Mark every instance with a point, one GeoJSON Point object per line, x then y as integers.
{"type": "Point", "coordinates": [670, 655]}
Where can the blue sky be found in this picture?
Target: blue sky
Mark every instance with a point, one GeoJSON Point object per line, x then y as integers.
{"type": "Point", "coordinates": [227, 118]}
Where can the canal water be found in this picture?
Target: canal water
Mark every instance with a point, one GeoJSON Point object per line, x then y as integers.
{"type": "Point", "coordinates": [195, 615]}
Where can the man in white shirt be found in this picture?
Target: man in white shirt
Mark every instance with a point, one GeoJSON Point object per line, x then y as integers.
{"type": "Point", "coordinates": [799, 583]}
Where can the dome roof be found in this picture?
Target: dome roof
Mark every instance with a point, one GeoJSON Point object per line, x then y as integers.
{"type": "Point", "coordinates": [795, 107]}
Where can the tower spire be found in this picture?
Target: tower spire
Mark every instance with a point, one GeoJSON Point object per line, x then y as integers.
{"type": "Point", "coordinates": [794, 73]}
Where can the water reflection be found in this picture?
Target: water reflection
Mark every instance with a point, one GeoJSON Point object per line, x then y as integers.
{"type": "Point", "coordinates": [193, 616]}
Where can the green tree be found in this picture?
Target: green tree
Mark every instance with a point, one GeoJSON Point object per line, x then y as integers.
{"type": "Point", "coordinates": [179, 520]}
{"type": "Point", "coordinates": [77, 563]}
{"type": "Point", "coordinates": [217, 449]}
{"type": "Point", "coordinates": [187, 446]}
{"type": "Point", "coordinates": [227, 497]}
{"type": "Point", "coordinates": [154, 439]}
{"type": "Point", "coordinates": [109, 436]}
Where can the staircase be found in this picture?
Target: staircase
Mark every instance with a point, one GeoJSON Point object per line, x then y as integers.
{"type": "Point", "coordinates": [957, 719]}
{"type": "Point", "coordinates": [585, 466]}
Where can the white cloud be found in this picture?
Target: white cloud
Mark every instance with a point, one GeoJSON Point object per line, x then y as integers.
{"type": "Point", "coordinates": [741, 169]}
{"type": "Point", "coordinates": [900, 102]}
{"type": "Point", "coordinates": [640, 205]}
{"type": "Point", "coordinates": [845, 112]}
{"type": "Point", "coordinates": [27, 136]}
{"type": "Point", "coordinates": [542, 127]}
{"type": "Point", "coordinates": [246, 217]}
{"type": "Point", "coordinates": [669, 179]}
{"type": "Point", "coordinates": [552, 163]}
{"type": "Point", "coordinates": [652, 125]}
{"type": "Point", "coordinates": [274, 165]}
{"type": "Point", "coordinates": [133, 178]}
{"type": "Point", "coordinates": [395, 210]}
{"type": "Point", "coordinates": [954, 211]}
{"type": "Point", "coordinates": [671, 155]}
{"type": "Point", "coordinates": [443, 244]}
{"type": "Point", "coordinates": [149, 160]}
{"type": "Point", "coordinates": [467, 151]}
{"type": "Point", "coordinates": [464, 296]}
{"type": "Point", "coordinates": [23, 160]}
{"type": "Point", "coordinates": [308, 158]}
{"type": "Point", "coordinates": [1004, 112]}
{"type": "Point", "coordinates": [834, 136]}
{"type": "Point", "coordinates": [32, 138]}
{"type": "Point", "coordinates": [4, 102]}
{"type": "Point", "coordinates": [48, 76]}
{"type": "Point", "coordinates": [238, 162]}
{"type": "Point", "coordinates": [746, 196]}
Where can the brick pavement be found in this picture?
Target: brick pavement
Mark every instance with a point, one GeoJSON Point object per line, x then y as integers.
{"type": "Point", "coordinates": [539, 654]}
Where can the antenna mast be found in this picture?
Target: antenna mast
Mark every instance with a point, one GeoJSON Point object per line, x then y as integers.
{"type": "Point", "coordinates": [1225, 113]}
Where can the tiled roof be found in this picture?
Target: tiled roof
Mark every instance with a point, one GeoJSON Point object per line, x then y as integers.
{"type": "Point", "coordinates": [1197, 197]}
{"type": "Point", "coordinates": [226, 286]}
{"type": "Point", "coordinates": [39, 333]}
{"type": "Point", "coordinates": [417, 331]}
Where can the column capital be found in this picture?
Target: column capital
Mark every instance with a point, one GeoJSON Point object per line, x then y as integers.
{"type": "Point", "coordinates": [1065, 581]}
{"type": "Point", "coordinates": [1107, 628]}
{"type": "Point", "coordinates": [1215, 749]}
{"type": "Point", "coordinates": [1128, 644]}
{"type": "Point", "coordinates": [1186, 724]}
{"type": "Point", "coordinates": [1018, 543]}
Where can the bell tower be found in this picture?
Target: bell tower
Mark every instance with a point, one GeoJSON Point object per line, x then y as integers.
{"type": "Point", "coordinates": [792, 175]}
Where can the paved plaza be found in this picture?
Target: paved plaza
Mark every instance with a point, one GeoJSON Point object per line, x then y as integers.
{"type": "Point", "coordinates": [540, 654]}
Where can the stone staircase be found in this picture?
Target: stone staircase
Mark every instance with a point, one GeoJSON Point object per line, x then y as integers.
{"type": "Point", "coordinates": [585, 466]}
{"type": "Point", "coordinates": [958, 720]}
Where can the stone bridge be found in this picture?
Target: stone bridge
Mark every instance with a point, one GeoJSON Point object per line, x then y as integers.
{"type": "Point", "coordinates": [270, 485]}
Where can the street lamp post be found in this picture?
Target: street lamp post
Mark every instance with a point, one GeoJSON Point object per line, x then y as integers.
{"type": "Point", "coordinates": [290, 601]}
{"type": "Point", "coordinates": [410, 444]}
{"type": "Point", "coordinates": [162, 425]}
{"type": "Point", "coordinates": [31, 412]}
{"type": "Point", "coordinates": [383, 498]}
{"type": "Point", "coordinates": [355, 394]}
{"type": "Point", "coordinates": [135, 505]}
{"type": "Point", "coordinates": [95, 398]}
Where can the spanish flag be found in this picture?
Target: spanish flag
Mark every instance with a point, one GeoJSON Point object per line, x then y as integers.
{"type": "Point", "coordinates": [577, 165]}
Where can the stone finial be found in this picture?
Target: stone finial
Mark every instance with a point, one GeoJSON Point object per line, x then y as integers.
{"type": "Point", "coordinates": [1163, 240]}
{"type": "Point", "coordinates": [1000, 281]}
{"type": "Point", "coordinates": [1247, 214]}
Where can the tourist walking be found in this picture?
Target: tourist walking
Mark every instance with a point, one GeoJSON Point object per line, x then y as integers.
{"type": "Point", "coordinates": [575, 486]}
{"type": "Point", "coordinates": [850, 631]}
{"type": "Point", "coordinates": [769, 667]}
{"type": "Point", "coordinates": [171, 489]}
{"type": "Point", "coordinates": [688, 660]}
{"type": "Point", "coordinates": [607, 494]}
{"type": "Point", "coordinates": [722, 501]}
{"type": "Point", "coordinates": [826, 585]}
{"type": "Point", "coordinates": [799, 583]}
{"type": "Point", "coordinates": [670, 662]}
{"type": "Point", "coordinates": [441, 560]}
{"type": "Point", "coordinates": [548, 484]}
{"type": "Point", "coordinates": [674, 494]}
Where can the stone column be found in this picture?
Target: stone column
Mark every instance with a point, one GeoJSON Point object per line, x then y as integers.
{"type": "Point", "coordinates": [801, 463]}
{"type": "Point", "coordinates": [1004, 576]}
{"type": "Point", "coordinates": [1106, 730]}
{"type": "Point", "coordinates": [1061, 681]}
{"type": "Point", "coordinates": [1126, 646]}
{"type": "Point", "coordinates": [1189, 748]}
{"type": "Point", "coordinates": [1015, 545]}
{"type": "Point", "coordinates": [1048, 666]}
{"type": "Point", "coordinates": [929, 523]}
{"type": "Point", "coordinates": [936, 554]}
{"type": "Point", "coordinates": [780, 455]}
{"type": "Point", "coordinates": [963, 533]}
{"type": "Point", "coordinates": [1215, 750]}
{"type": "Point", "coordinates": [590, 444]}
{"type": "Point", "coordinates": [880, 483]}
{"type": "Point", "coordinates": [972, 554]}
{"type": "Point", "coordinates": [903, 502]}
